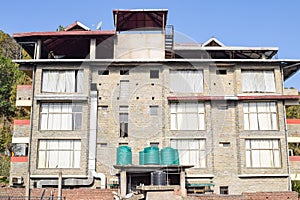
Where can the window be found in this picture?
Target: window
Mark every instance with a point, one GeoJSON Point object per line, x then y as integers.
{"type": "Point", "coordinates": [191, 151]}
{"type": "Point", "coordinates": [19, 149]}
{"type": "Point", "coordinates": [153, 110]}
{"type": "Point", "coordinates": [61, 116]}
{"type": "Point", "coordinates": [154, 74]}
{"type": "Point", "coordinates": [124, 89]}
{"type": "Point", "coordinates": [187, 116]}
{"type": "Point", "coordinates": [262, 153]}
{"type": "Point", "coordinates": [104, 72]}
{"type": "Point", "coordinates": [124, 72]}
{"type": "Point", "coordinates": [62, 81]}
{"type": "Point", "coordinates": [224, 190]}
{"type": "Point", "coordinates": [221, 71]}
{"type": "Point", "coordinates": [258, 81]}
{"type": "Point", "coordinates": [188, 81]}
{"type": "Point", "coordinates": [154, 144]}
{"type": "Point", "coordinates": [260, 116]}
{"type": "Point", "coordinates": [123, 118]}
{"type": "Point", "coordinates": [59, 154]}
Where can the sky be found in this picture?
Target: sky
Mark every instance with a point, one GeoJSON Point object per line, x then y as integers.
{"type": "Point", "coordinates": [267, 23]}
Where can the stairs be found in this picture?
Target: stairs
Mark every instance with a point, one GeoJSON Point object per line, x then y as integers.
{"type": "Point", "coordinates": [169, 42]}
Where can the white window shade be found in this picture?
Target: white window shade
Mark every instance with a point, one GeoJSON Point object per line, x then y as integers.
{"type": "Point", "coordinates": [59, 154]}
{"type": "Point", "coordinates": [187, 116]}
{"type": "Point", "coordinates": [264, 153]}
{"type": "Point", "coordinates": [61, 116]}
{"type": "Point", "coordinates": [186, 81]}
{"type": "Point", "coordinates": [258, 81]}
{"type": "Point", "coordinates": [260, 116]}
{"type": "Point", "coordinates": [62, 81]}
{"type": "Point", "coordinates": [191, 151]}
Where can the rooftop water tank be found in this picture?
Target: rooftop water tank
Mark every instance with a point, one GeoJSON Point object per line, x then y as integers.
{"type": "Point", "coordinates": [151, 156]}
{"type": "Point", "coordinates": [124, 155]}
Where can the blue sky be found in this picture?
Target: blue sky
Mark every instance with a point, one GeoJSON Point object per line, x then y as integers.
{"type": "Point", "coordinates": [265, 23]}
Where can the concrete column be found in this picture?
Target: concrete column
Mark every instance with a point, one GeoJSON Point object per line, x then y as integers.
{"type": "Point", "coordinates": [123, 180]}
{"type": "Point", "coordinates": [59, 192]}
{"type": "Point", "coordinates": [27, 185]}
{"type": "Point", "coordinates": [93, 49]}
{"type": "Point", "coordinates": [38, 49]}
{"type": "Point", "coordinates": [182, 184]}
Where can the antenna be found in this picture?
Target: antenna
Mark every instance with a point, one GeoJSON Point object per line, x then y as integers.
{"type": "Point", "coordinates": [99, 25]}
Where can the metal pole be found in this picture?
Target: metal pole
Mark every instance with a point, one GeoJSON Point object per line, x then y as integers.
{"type": "Point", "coordinates": [59, 193]}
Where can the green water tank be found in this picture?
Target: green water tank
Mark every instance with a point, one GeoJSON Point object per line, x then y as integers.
{"type": "Point", "coordinates": [169, 156]}
{"type": "Point", "coordinates": [141, 158]}
{"type": "Point", "coordinates": [124, 155]}
{"type": "Point", "coordinates": [151, 156]}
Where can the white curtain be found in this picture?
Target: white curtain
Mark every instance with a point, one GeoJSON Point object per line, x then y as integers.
{"type": "Point", "coordinates": [191, 152]}
{"type": "Point", "coordinates": [59, 154]}
{"type": "Point", "coordinates": [262, 153]}
{"type": "Point", "coordinates": [187, 116]}
{"type": "Point", "coordinates": [61, 81]}
{"type": "Point", "coordinates": [258, 81]}
{"type": "Point", "coordinates": [186, 81]}
{"type": "Point", "coordinates": [260, 116]}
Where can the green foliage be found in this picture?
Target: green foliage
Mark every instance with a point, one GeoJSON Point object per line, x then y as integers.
{"type": "Point", "coordinates": [296, 186]}
{"type": "Point", "coordinates": [4, 168]}
{"type": "Point", "coordinates": [296, 148]}
{"type": "Point", "coordinates": [60, 28]}
{"type": "Point", "coordinates": [8, 72]}
{"type": "Point", "coordinates": [293, 112]}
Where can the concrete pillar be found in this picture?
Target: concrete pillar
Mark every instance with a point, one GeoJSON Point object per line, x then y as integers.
{"type": "Point", "coordinates": [38, 49]}
{"type": "Point", "coordinates": [59, 192]}
{"type": "Point", "coordinates": [27, 185]}
{"type": "Point", "coordinates": [182, 184]}
{"type": "Point", "coordinates": [93, 49]}
{"type": "Point", "coordinates": [123, 180]}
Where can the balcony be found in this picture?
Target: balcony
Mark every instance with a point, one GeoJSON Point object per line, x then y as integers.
{"type": "Point", "coordinates": [24, 93]}
{"type": "Point", "coordinates": [21, 129]}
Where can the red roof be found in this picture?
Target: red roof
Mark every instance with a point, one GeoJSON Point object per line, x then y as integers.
{"type": "Point", "coordinates": [63, 33]}
{"type": "Point", "coordinates": [293, 121]}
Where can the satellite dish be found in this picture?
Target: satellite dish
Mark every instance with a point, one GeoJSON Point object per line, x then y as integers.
{"type": "Point", "coordinates": [99, 26]}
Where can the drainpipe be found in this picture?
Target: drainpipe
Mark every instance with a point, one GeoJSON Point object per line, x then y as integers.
{"type": "Point", "coordinates": [286, 135]}
{"type": "Point", "coordinates": [92, 153]}
{"type": "Point", "coordinates": [27, 192]}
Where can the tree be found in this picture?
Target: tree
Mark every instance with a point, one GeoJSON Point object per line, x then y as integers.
{"type": "Point", "coordinates": [60, 28]}
{"type": "Point", "coordinates": [293, 112]}
{"type": "Point", "coordinates": [7, 80]}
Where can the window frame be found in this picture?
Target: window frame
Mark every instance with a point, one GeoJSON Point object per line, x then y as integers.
{"type": "Point", "coordinates": [76, 114]}
{"type": "Point", "coordinates": [250, 151]}
{"type": "Point", "coordinates": [271, 113]}
{"type": "Point", "coordinates": [251, 86]}
{"type": "Point", "coordinates": [123, 122]}
{"type": "Point", "coordinates": [180, 81]}
{"type": "Point", "coordinates": [74, 153]}
{"type": "Point", "coordinates": [200, 151]}
{"type": "Point", "coordinates": [175, 114]}
{"type": "Point", "coordinates": [78, 81]}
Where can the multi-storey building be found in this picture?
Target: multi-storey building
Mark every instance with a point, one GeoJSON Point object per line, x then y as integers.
{"type": "Point", "coordinates": [222, 107]}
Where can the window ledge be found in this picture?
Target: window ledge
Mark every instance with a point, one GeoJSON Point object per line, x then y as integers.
{"type": "Point", "coordinates": [261, 175]}
{"type": "Point", "coordinates": [56, 176]}
{"type": "Point", "coordinates": [76, 97]}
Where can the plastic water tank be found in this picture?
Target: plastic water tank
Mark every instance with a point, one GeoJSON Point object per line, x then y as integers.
{"type": "Point", "coordinates": [159, 178]}
{"type": "Point", "coordinates": [141, 158]}
{"type": "Point", "coordinates": [168, 156]}
{"type": "Point", "coordinates": [124, 155]}
{"type": "Point", "coordinates": [151, 156]}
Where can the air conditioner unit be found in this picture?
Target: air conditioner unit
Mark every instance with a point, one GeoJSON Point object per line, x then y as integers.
{"type": "Point", "coordinates": [17, 180]}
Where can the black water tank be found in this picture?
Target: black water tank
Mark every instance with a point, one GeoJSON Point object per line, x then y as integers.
{"type": "Point", "coordinates": [159, 178]}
